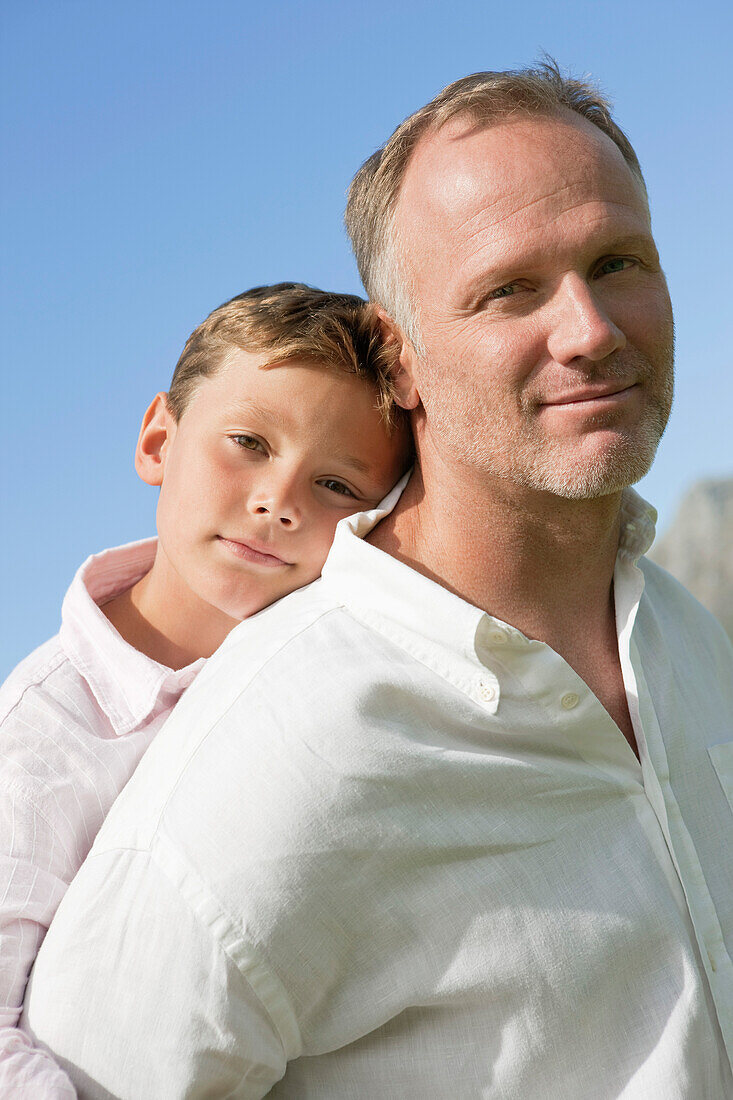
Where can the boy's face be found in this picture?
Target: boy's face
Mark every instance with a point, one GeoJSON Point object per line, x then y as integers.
{"type": "Point", "coordinates": [256, 474]}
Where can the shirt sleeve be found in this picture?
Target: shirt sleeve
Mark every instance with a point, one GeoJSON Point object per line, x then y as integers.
{"type": "Point", "coordinates": [134, 995]}
{"type": "Point", "coordinates": [33, 879]}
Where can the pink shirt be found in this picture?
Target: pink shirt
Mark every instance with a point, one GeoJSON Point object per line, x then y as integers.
{"type": "Point", "coordinates": [75, 718]}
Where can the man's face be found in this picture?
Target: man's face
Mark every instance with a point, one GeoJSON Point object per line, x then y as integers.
{"type": "Point", "coordinates": [544, 314]}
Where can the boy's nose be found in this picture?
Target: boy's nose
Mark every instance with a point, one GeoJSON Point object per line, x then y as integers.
{"type": "Point", "coordinates": [280, 507]}
{"type": "Point", "coordinates": [286, 516]}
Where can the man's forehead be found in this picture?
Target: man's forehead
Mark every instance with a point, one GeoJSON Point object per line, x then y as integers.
{"type": "Point", "coordinates": [498, 169]}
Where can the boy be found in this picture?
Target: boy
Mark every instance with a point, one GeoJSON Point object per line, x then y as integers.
{"type": "Point", "coordinates": [278, 423]}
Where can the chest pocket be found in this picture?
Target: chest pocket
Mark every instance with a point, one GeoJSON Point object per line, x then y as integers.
{"type": "Point", "coordinates": [722, 758]}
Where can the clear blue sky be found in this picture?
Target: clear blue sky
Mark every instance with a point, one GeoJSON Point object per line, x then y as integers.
{"type": "Point", "coordinates": [162, 156]}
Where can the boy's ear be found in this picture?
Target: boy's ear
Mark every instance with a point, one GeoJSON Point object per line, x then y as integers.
{"type": "Point", "coordinates": [403, 376]}
{"type": "Point", "coordinates": [156, 435]}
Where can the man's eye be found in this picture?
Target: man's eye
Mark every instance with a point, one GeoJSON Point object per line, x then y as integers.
{"type": "Point", "coordinates": [618, 263]}
{"type": "Point", "coordinates": [249, 442]}
{"type": "Point", "coordinates": [502, 292]}
{"type": "Point", "coordinates": [335, 486]}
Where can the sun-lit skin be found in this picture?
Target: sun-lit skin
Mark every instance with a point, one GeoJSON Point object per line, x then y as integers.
{"type": "Point", "coordinates": [254, 477]}
{"type": "Point", "coordinates": [529, 248]}
{"type": "Point", "coordinates": [545, 379]}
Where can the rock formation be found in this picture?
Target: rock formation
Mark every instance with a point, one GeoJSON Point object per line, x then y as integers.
{"type": "Point", "coordinates": [698, 546]}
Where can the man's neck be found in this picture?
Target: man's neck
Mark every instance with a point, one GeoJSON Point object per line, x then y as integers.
{"type": "Point", "coordinates": [541, 563]}
{"type": "Point", "coordinates": [530, 558]}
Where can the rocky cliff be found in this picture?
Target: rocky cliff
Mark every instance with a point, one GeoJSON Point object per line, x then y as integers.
{"type": "Point", "coordinates": [698, 546]}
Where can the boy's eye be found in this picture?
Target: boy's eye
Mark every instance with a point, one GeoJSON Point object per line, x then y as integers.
{"type": "Point", "coordinates": [249, 442]}
{"type": "Point", "coordinates": [335, 486]}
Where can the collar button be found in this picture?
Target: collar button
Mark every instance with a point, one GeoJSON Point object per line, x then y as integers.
{"type": "Point", "coordinates": [487, 691]}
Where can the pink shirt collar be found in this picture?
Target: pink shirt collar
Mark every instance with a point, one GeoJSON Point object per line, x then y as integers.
{"type": "Point", "coordinates": [127, 685]}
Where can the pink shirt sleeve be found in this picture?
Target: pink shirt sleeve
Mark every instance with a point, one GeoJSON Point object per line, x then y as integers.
{"type": "Point", "coordinates": [75, 717]}
{"type": "Point", "coordinates": [34, 874]}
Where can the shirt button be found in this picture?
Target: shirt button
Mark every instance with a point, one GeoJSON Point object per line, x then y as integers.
{"type": "Point", "coordinates": [498, 637]}
{"type": "Point", "coordinates": [569, 700]}
{"type": "Point", "coordinates": [487, 691]}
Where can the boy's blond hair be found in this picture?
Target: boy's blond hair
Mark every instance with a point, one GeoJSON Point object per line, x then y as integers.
{"type": "Point", "coordinates": [289, 321]}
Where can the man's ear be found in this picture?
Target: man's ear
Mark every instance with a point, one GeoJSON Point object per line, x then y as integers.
{"type": "Point", "coordinates": [403, 377]}
{"type": "Point", "coordinates": [156, 435]}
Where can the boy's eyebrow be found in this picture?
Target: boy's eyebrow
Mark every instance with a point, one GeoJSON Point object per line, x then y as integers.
{"type": "Point", "coordinates": [249, 408]}
{"type": "Point", "coordinates": [273, 416]}
{"type": "Point", "coordinates": [355, 463]}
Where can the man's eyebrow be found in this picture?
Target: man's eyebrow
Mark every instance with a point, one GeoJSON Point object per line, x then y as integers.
{"type": "Point", "coordinates": [629, 241]}
{"type": "Point", "coordinates": [509, 268]}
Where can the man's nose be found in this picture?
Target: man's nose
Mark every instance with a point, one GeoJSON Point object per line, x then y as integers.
{"type": "Point", "coordinates": [582, 330]}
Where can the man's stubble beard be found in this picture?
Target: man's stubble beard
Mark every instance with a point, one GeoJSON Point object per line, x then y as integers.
{"type": "Point", "coordinates": [538, 462]}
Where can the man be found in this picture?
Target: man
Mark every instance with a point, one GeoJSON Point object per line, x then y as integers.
{"type": "Point", "coordinates": [454, 821]}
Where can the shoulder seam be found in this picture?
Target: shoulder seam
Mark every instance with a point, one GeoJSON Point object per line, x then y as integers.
{"type": "Point", "coordinates": [43, 673]}
{"type": "Point", "coordinates": [259, 975]}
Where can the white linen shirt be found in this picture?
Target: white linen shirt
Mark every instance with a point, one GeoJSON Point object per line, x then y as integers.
{"type": "Point", "coordinates": [75, 718]}
{"type": "Point", "coordinates": [388, 847]}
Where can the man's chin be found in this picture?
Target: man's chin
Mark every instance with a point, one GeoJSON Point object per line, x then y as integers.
{"type": "Point", "coordinates": [598, 475]}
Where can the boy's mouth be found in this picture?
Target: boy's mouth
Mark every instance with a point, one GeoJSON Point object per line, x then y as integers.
{"type": "Point", "coordinates": [252, 551]}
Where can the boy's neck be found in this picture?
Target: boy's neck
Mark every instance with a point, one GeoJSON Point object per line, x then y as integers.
{"type": "Point", "coordinates": [162, 618]}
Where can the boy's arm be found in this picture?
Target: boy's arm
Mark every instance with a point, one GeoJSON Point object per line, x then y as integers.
{"type": "Point", "coordinates": [33, 870]}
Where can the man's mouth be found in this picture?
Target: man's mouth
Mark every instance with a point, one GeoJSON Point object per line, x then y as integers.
{"type": "Point", "coordinates": [593, 395]}
{"type": "Point", "coordinates": [253, 551]}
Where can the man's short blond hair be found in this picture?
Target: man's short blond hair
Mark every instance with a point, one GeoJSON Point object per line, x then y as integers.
{"type": "Point", "coordinates": [483, 98]}
{"type": "Point", "coordinates": [288, 322]}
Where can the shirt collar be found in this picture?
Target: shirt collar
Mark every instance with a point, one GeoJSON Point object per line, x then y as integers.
{"type": "Point", "coordinates": [127, 685]}
{"type": "Point", "coordinates": [421, 616]}
{"type": "Point", "coordinates": [374, 585]}
{"type": "Point", "coordinates": [638, 525]}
